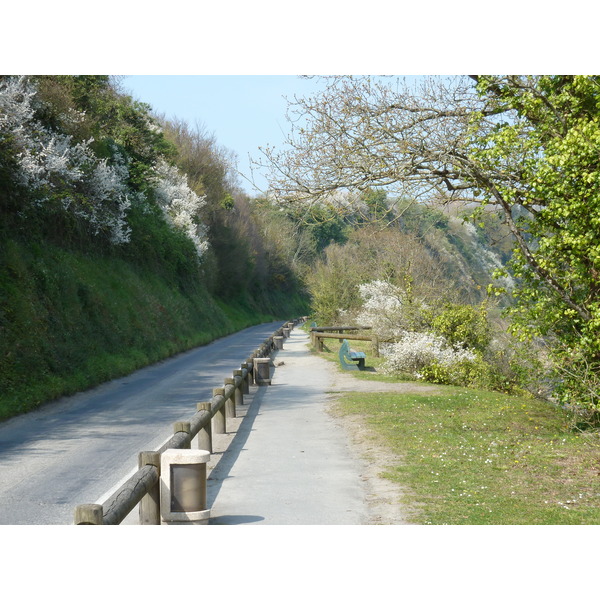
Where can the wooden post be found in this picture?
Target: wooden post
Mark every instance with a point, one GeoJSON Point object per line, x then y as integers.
{"type": "Point", "coordinates": [246, 382]}
{"type": "Point", "coordinates": [205, 434]}
{"type": "Point", "coordinates": [375, 344]}
{"type": "Point", "coordinates": [185, 427]}
{"type": "Point", "coordinates": [230, 402]}
{"type": "Point", "coordinates": [88, 514]}
{"type": "Point", "coordinates": [149, 507]}
{"type": "Point", "coordinates": [239, 390]}
{"type": "Point", "coordinates": [220, 417]}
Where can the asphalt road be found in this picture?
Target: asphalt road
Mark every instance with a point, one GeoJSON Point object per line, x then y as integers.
{"type": "Point", "coordinates": [74, 450]}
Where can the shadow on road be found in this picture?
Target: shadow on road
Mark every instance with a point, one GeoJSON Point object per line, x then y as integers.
{"type": "Point", "coordinates": [235, 519]}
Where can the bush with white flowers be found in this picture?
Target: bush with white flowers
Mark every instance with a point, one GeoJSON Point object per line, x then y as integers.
{"type": "Point", "coordinates": [416, 351]}
{"type": "Point", "coordinates": [444, 347]}
{"type": "Point", "coordinates": [50, 162]}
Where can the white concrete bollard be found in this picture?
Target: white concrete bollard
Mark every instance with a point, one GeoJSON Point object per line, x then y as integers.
{"type": "Point", "coordinates": [183, 487]}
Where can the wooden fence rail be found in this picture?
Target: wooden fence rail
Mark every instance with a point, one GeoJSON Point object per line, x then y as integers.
{"type": "Point", "coordinates": [142, 488]}
{"type": "Point", "coordinates": [342, 328]}
{"type": "Point", "coordinates": [318, 337]}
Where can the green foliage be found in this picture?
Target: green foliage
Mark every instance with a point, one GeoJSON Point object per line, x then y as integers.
{"type": "Point", "coordinates": [377, 207]}
{"type": "Point", "coordinates": [333, 285]}
{"type": "Point", "coordinates": [156, 246]}
{"type": "Point", "coordinates": [324, 225]}
{"type": "Point", "coordinates": [227, 203]}
{"type": "Point", "coordinates": [10, 194]}
{"type": "Point", "coordinates": [463, 325]}
{"type": "Point", "coordinates": [477, 373]}
{"type": "Point", "coordinates": [71, 319]}
{"type": "Point", "coordinates": [554, 135]}
{"type": "Point", "coordinates": [115, 121]}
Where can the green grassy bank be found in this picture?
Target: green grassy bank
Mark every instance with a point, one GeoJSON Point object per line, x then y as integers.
{"type": "Point", "coordinates": [70, 320]}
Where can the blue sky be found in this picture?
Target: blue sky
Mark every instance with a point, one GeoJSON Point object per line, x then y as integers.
{"type": "Point", "coordinates": [243, 112]}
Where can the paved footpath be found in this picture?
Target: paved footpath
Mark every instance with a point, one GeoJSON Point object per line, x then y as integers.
{"type": "Point", "coordinates": [289, 462]}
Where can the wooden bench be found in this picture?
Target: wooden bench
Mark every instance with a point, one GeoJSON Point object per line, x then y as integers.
{"type": "Point", "coordinates": [346, 354]}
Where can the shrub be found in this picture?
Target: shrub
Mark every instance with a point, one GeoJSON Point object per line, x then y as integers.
{"type": "Point", "coordinates": [463, 324]}
{"type": "Point", "coordinates": [467, 373]}
{"type": "Point", "coordinates": [419, 350]}
{"type": "Point", "coordinates": [60, 172]}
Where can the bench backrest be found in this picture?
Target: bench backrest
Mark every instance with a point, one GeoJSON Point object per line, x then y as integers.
{"type": "Point", "coordinates": [345, 349]}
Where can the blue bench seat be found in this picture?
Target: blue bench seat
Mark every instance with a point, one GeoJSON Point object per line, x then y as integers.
{"type": "Point", "coordinates": [346, 355]}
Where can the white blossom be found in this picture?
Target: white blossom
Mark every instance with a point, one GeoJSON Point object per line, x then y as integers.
{"type": "Point", "coordinates": [380, 296]}
{"type": "Point", "coordinates": [16, 108]}
{"type": "Point", "coordinates": [50, 157]}
{"type": "Point", "coordinates": [417, 350]}
{"type": "Point", "coordinates": [381, 307]}
{"type": "Point", "coordinates": [107, 186]}
{"type": "Point", "coordinates": [180, 204]}
{"type": "Point", "coordinates": [50, 161]}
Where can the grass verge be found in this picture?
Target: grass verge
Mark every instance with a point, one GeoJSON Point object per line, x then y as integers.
{"type": "Point", "coordinates": [466, 456]}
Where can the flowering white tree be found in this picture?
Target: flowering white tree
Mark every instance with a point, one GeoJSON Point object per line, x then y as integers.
{"type": "Point", "coordinates": [381, 307]}
{"type": "Point", "coordinates": [96, 190]}
{"type": "Point", "coordinates": [180, 204]}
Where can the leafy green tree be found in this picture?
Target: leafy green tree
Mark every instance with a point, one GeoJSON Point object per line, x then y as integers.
{"type": "Point", "coordinates": [556, 133]}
